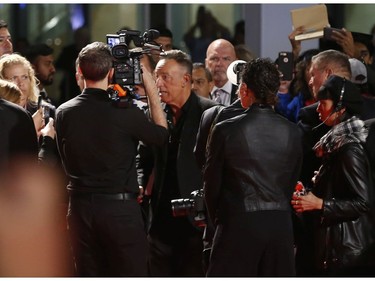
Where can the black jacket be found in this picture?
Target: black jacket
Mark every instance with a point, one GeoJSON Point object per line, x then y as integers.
{"type": "Point", "coordinates": [345, 228]}
{"type": "Point", "coordinates": [189, 176]}
{"type": "Point", "coordinates": [253, 163]}
{"type": "Point", "coordinates": [17, 133]}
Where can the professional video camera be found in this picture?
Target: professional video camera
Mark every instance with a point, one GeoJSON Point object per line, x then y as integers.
{"type": "Point", "coordinates": [126, 63]}
{"type": "Point", "coordinates": [191, 206]}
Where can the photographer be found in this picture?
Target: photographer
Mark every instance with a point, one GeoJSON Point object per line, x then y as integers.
{"type": "Point", "coordinates": [98, 143]}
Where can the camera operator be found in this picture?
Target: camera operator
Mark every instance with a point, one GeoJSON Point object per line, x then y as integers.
{"type": "Point", "coordinates": [98, 144]}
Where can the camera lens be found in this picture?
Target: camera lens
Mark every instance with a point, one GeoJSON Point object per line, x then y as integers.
{"type": "Point", "coordinates": [181, 207]}
{"type": "Point", "coordinates": [120, 51]}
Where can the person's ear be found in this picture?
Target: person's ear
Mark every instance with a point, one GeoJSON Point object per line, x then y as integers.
{"type": "Point", "coordinates": [186, 80]}
{"type": "Point", "coordinates": [110, 75]}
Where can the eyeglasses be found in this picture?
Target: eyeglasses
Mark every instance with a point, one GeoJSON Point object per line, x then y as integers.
{"type": "Point", "coordinates": [21, 78]}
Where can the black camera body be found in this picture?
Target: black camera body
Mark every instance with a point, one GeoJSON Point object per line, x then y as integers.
{"type": "Point", "coordinates": [194, 206]}
{"type": "Point", "coordinates": [127, 65]}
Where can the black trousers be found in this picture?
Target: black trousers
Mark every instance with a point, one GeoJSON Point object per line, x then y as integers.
{"type": "Point", "coordinates": [254, 244]}
{"type": "Point", "coordinates": [178, 254]}
{"type": "Point", "coordinates": [108, 237]}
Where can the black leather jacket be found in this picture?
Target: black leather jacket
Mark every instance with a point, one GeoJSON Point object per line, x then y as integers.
{"type": "Point", "coordinates": [345, 228]}
{"type": "Point", "coordinates": [253, 163]}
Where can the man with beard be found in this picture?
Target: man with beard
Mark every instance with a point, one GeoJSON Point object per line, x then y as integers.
{"type": "Point", "coordinates": [220, 54]}
{"type": "Point", "coordinates": [41, 58]}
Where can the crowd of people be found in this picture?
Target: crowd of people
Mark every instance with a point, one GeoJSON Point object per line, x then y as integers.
{"type": "Point", "coordinates": [197, 175]}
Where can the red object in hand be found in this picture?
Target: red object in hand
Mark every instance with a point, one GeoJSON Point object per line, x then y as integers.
{"type": "Point", "coordinates": [299, 189]}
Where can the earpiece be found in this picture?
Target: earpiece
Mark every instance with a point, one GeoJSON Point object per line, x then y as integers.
{"type": "Point", "coordinates": [339, 104]}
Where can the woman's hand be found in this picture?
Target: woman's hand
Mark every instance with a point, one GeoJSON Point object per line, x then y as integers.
{"type": "Point", "coordinates": [308, 202]}
{"type": "Point", "coordinates": [38, 121]}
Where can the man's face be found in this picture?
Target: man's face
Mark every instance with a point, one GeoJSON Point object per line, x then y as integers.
{"type": "Point", "coordinates": [217, 61]}
{"type": "Point", "coordinates": [165, 42]}
{"type": "Point", "coordinates": [317, 78]}
{"type": "Point", "coordinates": [171, 79]}
{"type": "Point", "coordinates": [44, 69]}
{"type": "Point", "coordinates": [201, 86]}
{"type": "Point", "coordinates": [362, 53]}
{"type": "Point", "coordinates": [166, 45]}
{"type": "Point", "coordinates": [6, 46]}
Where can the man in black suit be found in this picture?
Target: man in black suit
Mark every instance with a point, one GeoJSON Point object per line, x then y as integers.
{"type": "Point", "coordinates": [175, 242]}
{"type": "Point", "coordinates": [220, 54]}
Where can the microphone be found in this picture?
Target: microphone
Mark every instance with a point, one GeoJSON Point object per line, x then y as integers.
{"type": "Point", "coordinates": [316, 127]}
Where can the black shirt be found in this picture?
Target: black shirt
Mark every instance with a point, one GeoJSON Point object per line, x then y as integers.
{"type": "Point", "coordinates": [98, 142]}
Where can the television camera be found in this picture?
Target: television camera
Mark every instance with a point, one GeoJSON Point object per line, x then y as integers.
{"type": "Point", "coordinates": [126, 63]}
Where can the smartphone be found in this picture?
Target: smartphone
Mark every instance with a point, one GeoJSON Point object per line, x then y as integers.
{"type": "Point", "coordinates": [328, 32]}
{"type": "Point", "coordinates": [286, 65]}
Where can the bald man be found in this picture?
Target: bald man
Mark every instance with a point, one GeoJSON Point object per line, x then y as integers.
{"type": "Point", "coordinates": [220, 54]}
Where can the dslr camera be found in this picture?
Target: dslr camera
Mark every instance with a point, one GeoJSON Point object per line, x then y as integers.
{"type": "Point", "coordinates": [126, 63]}
{"type": "Point", "coordinates": [194, 206]}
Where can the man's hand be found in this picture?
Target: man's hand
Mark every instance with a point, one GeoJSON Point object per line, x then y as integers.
{"type": "Point", "coordinates": [345, 39]}
{"type": "Point", "coordinates": [296, 45]}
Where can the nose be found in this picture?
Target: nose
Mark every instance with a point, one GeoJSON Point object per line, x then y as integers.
{"type": "Point", "coordinates": [310, 82]}
{"type": "Point", "coordinates": [318, 107]}
{"type": "Point", "coordinates": [158, 82]}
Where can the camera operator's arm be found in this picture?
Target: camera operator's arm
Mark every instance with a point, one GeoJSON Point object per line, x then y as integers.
{"type": "Point", "coordinates": [156, 111]}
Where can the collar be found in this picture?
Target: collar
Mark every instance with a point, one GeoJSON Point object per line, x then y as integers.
{"type": "Point", "coordinates": [227, 87]}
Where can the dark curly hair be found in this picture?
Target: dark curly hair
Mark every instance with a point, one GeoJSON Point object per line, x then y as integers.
{"type": "Point", "coordinates": [262, 77]}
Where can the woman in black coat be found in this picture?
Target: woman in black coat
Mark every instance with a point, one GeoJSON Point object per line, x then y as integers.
{"type": "Point", "coordinates": [342, 198]}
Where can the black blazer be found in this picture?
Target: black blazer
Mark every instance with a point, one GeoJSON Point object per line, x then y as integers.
{"type": "Point", "coordinates": [17, 133]}
{"type": "Point", "coordinates": [188, 173]}
{"type": "Point", "coordinates": [233, 94]}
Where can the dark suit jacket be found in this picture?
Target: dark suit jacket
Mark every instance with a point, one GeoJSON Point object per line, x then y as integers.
{"type": "Point", "coordinates": [17, 133]}
{"type": "Point", "coordinates": [208, 117]}
{"type": "Point", "coordinates": [188, 173]}
{"type": "Point", "coordinates": [370, 146]}
{"type": "Point", "coordinates": [233, 94]}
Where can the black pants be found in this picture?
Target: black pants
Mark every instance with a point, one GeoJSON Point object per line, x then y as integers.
{"type": "Point", "coordinates": [108, 237]}
{"type": "Point", "coordinates": [176, 254]}
{"type": "Point", "coordinates": [254, 244]}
